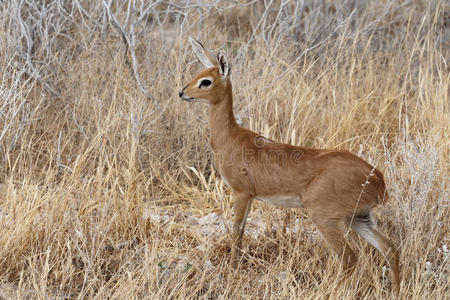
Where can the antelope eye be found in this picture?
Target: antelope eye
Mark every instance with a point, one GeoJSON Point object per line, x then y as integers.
{"type": "Point", "coordinates": [205, 82]}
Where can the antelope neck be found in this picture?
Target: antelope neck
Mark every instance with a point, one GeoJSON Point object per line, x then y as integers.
{"type": "Point", "coordinates": [221, 119]}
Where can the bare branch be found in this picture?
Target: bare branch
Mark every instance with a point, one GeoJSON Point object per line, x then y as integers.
{"type": "Point", "coordinates": [130, 43]}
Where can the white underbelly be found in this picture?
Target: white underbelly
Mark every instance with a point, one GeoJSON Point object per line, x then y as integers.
{"type": "Point", "coordinates": [284, 200]}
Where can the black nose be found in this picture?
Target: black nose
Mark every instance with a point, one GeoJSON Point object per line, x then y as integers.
{"type": "Point", "coordinates": [180, 93]}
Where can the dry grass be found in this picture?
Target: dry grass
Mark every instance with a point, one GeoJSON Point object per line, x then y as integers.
{"type": "Point", "coordinates": [103, 192]}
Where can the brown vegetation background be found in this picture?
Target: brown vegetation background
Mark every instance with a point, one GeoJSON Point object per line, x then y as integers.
{"type": "Point", "coordinates": [107, 186]}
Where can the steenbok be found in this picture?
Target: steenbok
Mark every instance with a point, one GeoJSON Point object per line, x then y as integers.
{"type": "Point", "coordinates": [337, 188]}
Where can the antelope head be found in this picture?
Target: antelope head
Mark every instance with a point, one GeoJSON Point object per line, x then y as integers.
{"type": "Point", "coordinates": [211, 84]}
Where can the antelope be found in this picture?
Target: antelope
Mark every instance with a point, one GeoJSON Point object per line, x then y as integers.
{"type": "Point", "coordinates": [337, 188]}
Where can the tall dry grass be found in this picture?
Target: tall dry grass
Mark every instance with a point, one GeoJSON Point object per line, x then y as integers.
{"type": "Point", "coordinates": [108, 189]}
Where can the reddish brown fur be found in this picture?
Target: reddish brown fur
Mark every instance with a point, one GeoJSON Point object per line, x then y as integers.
{"type": "Point", "coordinates": [336, 187]}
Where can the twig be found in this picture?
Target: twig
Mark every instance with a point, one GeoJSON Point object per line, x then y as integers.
{"type": "Point", "coordinates": [310, 49]}
{"type": "Point", "coordinates": [130, 43]}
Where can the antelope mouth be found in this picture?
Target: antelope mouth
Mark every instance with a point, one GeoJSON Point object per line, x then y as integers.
{"type": "Point", "coordinates": [191, 99]}
{"type": "Point", "coordinates": [184, 97]}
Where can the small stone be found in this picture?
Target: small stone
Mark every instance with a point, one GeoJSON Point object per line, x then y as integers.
{"type": "Point", "coordinates": [209, 266]}
{"type": "Point", "coordinates": [282, 276]}
{"type": "Point", "coordinates": [208, 219]}
{"type": "Point", "coordinates": [428, 266]}
{"type": "Point", "coordinates": [192, 220]}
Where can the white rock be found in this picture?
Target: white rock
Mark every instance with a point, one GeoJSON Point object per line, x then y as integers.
{"type": "Point", "coordinates": [192, 220]}
{"type": "Point", "coordinates": [206, 230]}
{"type": "Point", "coordinates": [161, 217]}
{"type": "Point", "coordinates": [209, 266]}
{"type": "Point", "coordinates": [208, 219]}
{"type": "Point", "coordinates": [282, 276]}
{"type": "Point", "coordinates": [152, 216]}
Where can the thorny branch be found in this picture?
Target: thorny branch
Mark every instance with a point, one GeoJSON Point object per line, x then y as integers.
{"type": "Point", "coordinates": [28, 33]}
{"type": "Point", "coordinates": [129, 41]}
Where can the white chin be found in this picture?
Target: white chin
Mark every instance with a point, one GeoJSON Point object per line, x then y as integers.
{"type": "Point", "coordinates": [194, 100]}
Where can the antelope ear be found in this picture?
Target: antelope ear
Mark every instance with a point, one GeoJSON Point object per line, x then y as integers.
{"type": "Point", "coordinates": [202, 54]}
{"type": "Point", "coordinates": [224, 66]}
